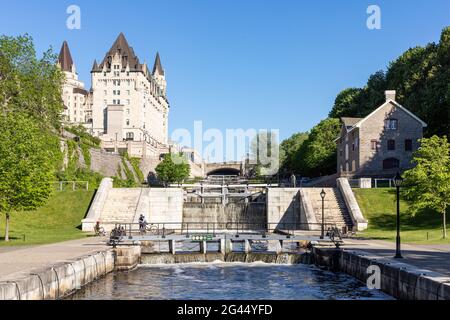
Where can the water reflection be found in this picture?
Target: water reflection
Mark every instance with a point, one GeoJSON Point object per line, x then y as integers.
{"type": "Point", "coordinates": [228, 282]}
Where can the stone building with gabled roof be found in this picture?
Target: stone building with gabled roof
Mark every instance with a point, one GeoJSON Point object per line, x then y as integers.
{"type": "Point", "coordinates": [380, 144]}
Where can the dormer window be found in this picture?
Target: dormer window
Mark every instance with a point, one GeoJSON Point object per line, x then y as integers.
{"type": "Point", "coordinates": [391, 124]}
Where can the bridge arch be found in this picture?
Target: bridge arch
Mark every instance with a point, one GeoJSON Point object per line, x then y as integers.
{"type": "Point", "coordinates": [224, 172]}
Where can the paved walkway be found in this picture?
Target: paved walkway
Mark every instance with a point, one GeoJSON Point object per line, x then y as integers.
{"type": "Point", "coordinates": [430, 257]}
{"type": "Point", "coordinates": [15, 261]}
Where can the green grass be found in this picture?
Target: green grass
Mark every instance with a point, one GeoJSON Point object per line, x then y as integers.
{"type": "Point", "coordinates": [379, 207]}
{"type": "Point", "coordinates": [59, 220]}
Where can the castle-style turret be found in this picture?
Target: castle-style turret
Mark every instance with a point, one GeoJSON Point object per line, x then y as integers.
{"type": "Point", "coordinates": [159, 74]}
{"type": "Point", "coordinates": [73, 94]}
{"type": "Point", "coordinates": [65, 60]}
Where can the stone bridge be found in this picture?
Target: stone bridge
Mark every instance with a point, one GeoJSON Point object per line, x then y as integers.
{"type": "Point", "coordinates": [235, 168]}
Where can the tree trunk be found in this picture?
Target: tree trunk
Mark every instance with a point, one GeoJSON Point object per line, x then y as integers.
{"type": "Point", "coordinates": [444, 220]}
{"type": "Point", "coordinates": [7, 228]}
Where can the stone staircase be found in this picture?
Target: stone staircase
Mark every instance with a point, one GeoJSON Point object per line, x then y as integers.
{"type": "Point", "coordinates": [121, 206]}
{"type": "Point", "coordinates": [336, 211]}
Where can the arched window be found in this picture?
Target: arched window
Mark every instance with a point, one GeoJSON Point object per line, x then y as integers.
{"type": "Point", "coordinates": [391, 163]}
{"type": "Point", "coordinates": [130, 136]}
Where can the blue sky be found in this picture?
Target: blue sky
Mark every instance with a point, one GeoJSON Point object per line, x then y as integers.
{"type": "Point", "coordinates": [240, 63]}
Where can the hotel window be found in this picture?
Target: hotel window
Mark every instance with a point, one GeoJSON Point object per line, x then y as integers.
{"type": "Point", "coordinates": [128, 101]}
{"type": "Point", "coordinates": [408, 145]}
{"type": "Point", "coordinates": [391, 124]}
{"type": "Point", "coordinates": [128, 111]}
{"type": "Point", "coordinates": [391, 145]}
{"type": "Point", "coordinates": [114, 101]}
{"type": "Point", "coordinates": [128, 122]}
{"type": "Point", "coordinates": [374, 145]}
{"type": "Point", "coordinates": [118, 101]}
{"type": "Point", "coordinates": [130, 136]}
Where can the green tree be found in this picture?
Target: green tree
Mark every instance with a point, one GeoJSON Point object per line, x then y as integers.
{"type": "Point", "coordinates": [28, 159]}
{"type": "Point", "coordinates": [174, 168]}
{"type": "Point", "coordinates": [29, 84]}
{"type": "Point", "coordinates": [421, 78]}
{"type": "Point", "coordinates": [289, 149]}
{"type": "Point", "coordinates": [265, 153]}
{"type": "Point", "coordinates": [346, 103]}
{"type": "Point", "coordinates": [317, 155]}
{"type": "Point", "coordinates": [427, 185]}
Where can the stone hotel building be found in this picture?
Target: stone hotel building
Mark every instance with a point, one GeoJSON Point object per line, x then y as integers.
{"type": "Point", "coordinates": [127, 107]}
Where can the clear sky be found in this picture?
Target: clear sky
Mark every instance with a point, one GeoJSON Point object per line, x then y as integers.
{"type": "Point", "coordinates": [239, 63]}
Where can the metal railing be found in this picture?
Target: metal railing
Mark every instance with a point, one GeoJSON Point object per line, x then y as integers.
{"type": "Point", "coordinates": [72, 185]}
{"type": "Point", "coordinates": [187, 229]}
{"type": "Point", "coordinates": [383, 183]}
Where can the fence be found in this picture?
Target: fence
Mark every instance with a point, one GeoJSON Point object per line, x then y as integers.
{"type": "Point", "coordinates": [376, 183]}
{"type": "Point", "coordinates": [383, 183]}
{"type": "Point", "coordinates": [71, 185]}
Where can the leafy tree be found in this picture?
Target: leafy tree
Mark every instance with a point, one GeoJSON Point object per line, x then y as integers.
{"type": "Point", "coordinates": [289, 149]}
{"type": "Point", "coordinates": [427, 186]}
{"type": "Point", "coordinates": [29, 84]}
{"type": "Point", "coordinates": [174, 168]}
{"type": "Point", "coordinates": [28, 158]}
{"type": "Point", "coordinates": [421, 78]}
{"type": "Point", "coordinates": [317, 155]}
{"type": "Point", "coordinates": [265, 153]}
{"type": "Point", "coordinates": [346, 103]}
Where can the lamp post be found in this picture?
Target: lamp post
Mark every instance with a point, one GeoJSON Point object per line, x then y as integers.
{"type": "Point", "coordinates": [322, 195]}
{"type": "Point", "coordinates": [398, 180]}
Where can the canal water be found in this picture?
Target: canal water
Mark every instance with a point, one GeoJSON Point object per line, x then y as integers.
{"type": "Point", "coordinates": [228, 281]}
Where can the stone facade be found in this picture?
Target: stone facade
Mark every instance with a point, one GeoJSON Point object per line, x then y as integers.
{"type": "Point", "coordinates": [74, 96]}
{"type": "Point", "coordinates": [129, 101]}
{"type": "Point", "coordinates": [381, 144]}
{"type": "Point", "coordinates": [127, 107]}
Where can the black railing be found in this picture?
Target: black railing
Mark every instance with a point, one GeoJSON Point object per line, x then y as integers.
{"type": "Point", "coordinates": [129, 230]}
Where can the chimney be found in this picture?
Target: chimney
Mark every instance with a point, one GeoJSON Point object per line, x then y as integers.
{"type": "Point", "coordinates": [390, 95]}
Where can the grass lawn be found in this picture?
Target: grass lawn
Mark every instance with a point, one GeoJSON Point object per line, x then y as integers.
{"type": "Point", "coordinates": [59, 220]}
{"type": "Point", "coordinates": [379, 207]}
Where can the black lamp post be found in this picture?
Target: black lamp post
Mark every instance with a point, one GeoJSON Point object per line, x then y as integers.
{"type": "Point", "coordinates": [398, 181]}
{"type": "Point", "coordinates": [322, 195]}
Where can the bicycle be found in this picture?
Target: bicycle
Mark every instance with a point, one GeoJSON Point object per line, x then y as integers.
{"type": "Point", "coordinates": [99, 231]}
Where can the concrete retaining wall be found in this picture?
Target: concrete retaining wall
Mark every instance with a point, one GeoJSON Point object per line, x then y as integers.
{"type": "Point", "coordinates": [399, 280]}
{"type": "Point", "coordinates": [252, 214]}
{"type": "Point", "coordinates": [58, 281]}
{"type": "Point", "coordinates": [97, 205]}
{"type": "Point", "coordinates": [283, 206]}
{"type": "Point", "coordinates": [166, 205]}
{"type": "Point", "coordinates": [290, 206]}
{"type": "Point", "coordinates": [127, 258]}
{"type": "Point", "coordinates": [358, 219]}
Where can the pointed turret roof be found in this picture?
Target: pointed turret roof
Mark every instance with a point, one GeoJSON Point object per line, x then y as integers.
{"type": "Point", "coordinates": [158, 67]}
{"type": "Point", "coordinates": [122, 48]}
{"type": "Point", "coordinates": [65, 58]}
{"type": "Point", "coordinates": [95, 66]}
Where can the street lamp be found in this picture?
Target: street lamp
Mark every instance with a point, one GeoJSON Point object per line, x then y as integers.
{"type": "Point", "coordinates": [322, 195]}
{"type": "Point", "coordinates": [398, 181]}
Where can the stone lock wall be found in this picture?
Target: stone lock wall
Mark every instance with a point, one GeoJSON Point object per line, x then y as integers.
{"type": "Point", "coordinates": [60, 280]}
